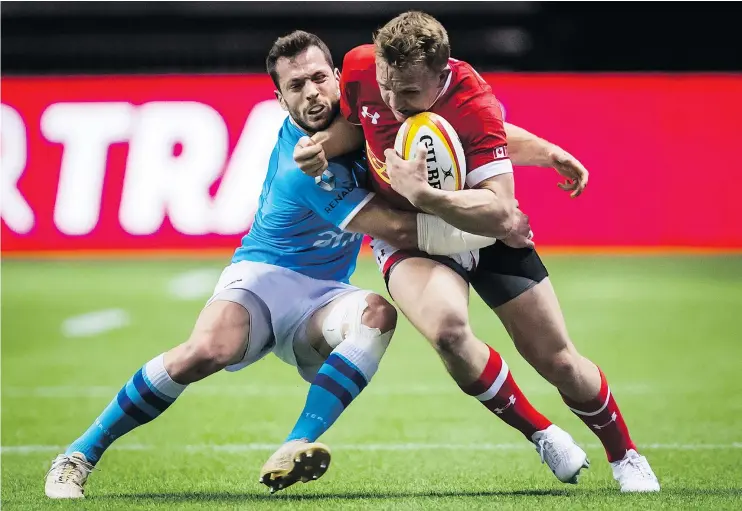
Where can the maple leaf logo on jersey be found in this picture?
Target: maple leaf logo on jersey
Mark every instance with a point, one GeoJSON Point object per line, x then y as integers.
{"type": "Point", "coordinates": [374, 116]}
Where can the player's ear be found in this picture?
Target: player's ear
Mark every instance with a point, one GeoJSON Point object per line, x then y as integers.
{"type": "Point", "coordinates": [280, 99]}
{"type": "Point", "coordinates": [337, 80]}
{"type": "Point", "coordinates": [443, 77]}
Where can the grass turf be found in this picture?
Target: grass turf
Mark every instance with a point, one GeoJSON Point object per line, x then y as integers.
{"type": "Point", "coordinates": [664, 329]}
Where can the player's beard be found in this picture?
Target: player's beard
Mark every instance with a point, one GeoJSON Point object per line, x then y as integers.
{"type": "Point", "coordinates": [334, 111]}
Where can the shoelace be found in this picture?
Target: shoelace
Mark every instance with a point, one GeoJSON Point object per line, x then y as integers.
{"type": "Point", "coordinates": [638, 464]}
{"type": "Point", "coordinates": [545, 444]}
{"type": "Point", "coordinates": [69, 468]}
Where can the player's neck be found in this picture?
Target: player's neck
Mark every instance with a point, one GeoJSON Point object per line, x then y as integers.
{"type": "Point", "coordinates": [303, 130]}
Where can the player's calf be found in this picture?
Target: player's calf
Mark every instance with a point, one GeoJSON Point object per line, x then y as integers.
{"type": "Point", "coordinates": [219, 337]}
{"type": "Point", "coordinates": [534, 321]}
{"type": "Point", "coordinates": [143, 398]}
{"type": "Point", "coordinates": [358, 328]}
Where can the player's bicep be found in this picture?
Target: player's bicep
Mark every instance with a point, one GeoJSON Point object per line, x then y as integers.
{"type": "Point", "coordinates": [502, 185]}
{"type": "Point", "coordinates": [485, 144]}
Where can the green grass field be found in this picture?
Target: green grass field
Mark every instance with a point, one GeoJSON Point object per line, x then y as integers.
{"type": "Point", "coordinates": [665, 330]}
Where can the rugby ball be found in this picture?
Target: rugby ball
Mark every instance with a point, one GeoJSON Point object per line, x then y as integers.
{"type": "Point", "coordinates": [446, 161]}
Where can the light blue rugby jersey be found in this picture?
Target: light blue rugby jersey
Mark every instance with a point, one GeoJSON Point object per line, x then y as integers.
{"type": "Point", "coordinates": [298, 224]}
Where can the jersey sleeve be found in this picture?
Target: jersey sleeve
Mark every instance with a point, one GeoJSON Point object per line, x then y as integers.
{"type": "Point", "coordinates": [485, 144]}
{"type": "Point", "coordinates": [356, 64]}
{"type": "Point", "coordinates": [339, 200]}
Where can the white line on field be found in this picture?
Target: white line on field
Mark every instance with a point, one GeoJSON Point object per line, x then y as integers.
{"type": "Point", "coordinates": [238, 448]}
{"type": "Point", "coordinates": [95, 323]}
{"type": "Point", "coordinates": [194, 284]}
{"type": "Point", "coordinates": [300, 389]}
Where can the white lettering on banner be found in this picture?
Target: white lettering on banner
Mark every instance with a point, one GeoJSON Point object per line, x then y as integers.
{"type": "Point", "coordinates": [158, 181]}
{"type": "Point", "coordinates": [16, 212]}
{"type": "Point", "coordinates": [237, 198]}
{"type": "Point", "coordinates": [86, 130]}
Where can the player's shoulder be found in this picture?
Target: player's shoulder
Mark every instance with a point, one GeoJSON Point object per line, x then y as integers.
{"type": "Point", "coordinates": [468, 103]}
{"type": "Point", "coordinates": [359, 63]}
{"type": "Point", "coordinates": [468, 89]}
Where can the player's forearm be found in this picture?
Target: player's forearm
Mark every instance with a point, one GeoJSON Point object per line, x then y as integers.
{"type": "Point", "coordinates": [379, 220]}
{"type": "Point", "coordinates": [339, 138]}
{"type": "Point", "coordinates": [477, 211]}
{"type": "Point", "coordinates": [406, 230]}
{"type": "Point", "coordinates": [399, 229]}
{"type": "Point", "coordinates": [527, 149]}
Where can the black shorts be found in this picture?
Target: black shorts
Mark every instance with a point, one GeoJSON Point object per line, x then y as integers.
{"type": "Point", "coordinates": [503, 273]}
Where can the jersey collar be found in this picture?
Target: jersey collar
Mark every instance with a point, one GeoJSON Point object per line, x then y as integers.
{"type": "Point", "coordinates": [445, 86]}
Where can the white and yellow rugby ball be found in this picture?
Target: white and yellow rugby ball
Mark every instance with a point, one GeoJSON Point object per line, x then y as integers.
{"type": "Point", "coordinates": [446, 161]}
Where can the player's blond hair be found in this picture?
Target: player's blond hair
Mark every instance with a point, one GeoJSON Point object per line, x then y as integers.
{"type": "Point", "coordinates": [413, 38]}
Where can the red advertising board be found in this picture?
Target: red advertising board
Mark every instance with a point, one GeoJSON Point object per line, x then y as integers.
{"type": "Point", "coordinates": [177, 162]}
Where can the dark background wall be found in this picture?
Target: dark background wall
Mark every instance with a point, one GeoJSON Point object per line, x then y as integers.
{"type": "Point", "coordinates": [138, 37]}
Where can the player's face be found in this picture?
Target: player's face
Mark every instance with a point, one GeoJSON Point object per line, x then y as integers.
{"type": "Point", "coordinates": [410, 91]}
{"type": "Point", "coordinates": [309, 89]}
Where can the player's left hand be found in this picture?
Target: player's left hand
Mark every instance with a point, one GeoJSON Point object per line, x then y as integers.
{"type": "Point", "coordinates": [570, 167]}
{"type": "Point", "coordinates": [409, 178]}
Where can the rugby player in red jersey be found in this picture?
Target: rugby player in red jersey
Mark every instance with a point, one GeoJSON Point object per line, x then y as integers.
{"type": "Point", "coordinates": [407, 70]}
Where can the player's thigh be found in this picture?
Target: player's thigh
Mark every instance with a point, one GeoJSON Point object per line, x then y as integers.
{"type": "Point", "coordinates": [224, 325]}
{"type": "Point", "coordinates": [535, 322]}
{"type": "Point", "coordinates": [432, 296]}
{"type": "Point", "coordinates": [234, 326]}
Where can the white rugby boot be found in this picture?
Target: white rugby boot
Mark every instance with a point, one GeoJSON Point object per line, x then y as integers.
{"type": "Point", "coordinates": [294, 461]}
{"type": "Point", "coordinates": [560, 452]}
{"type": "Point", "coordinates": [67, 476]}
{"type": "Point", "coordinates": [634, 474]}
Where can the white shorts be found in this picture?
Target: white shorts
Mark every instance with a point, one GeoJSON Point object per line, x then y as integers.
{"type": "Point", "coordinates": [281, 303]}
{"type": "Point", "coordinates": [387, 255]}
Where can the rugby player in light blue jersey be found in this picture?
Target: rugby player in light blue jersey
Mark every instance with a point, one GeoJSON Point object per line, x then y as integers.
{"type": "Point", "coordinates": [286, 290]}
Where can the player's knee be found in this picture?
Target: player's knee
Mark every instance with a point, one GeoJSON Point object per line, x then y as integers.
{"type": "Point", "coordinates": [451, 336]}
{"type": "Point", "coordinates": [189, 362]}
{"type": "Point", "coordinates": [213, 349]}
{"type": "Point", "coordinates": [212, 346]}
{"type": "Point", "coordinates": [561, 366]}
{"type": "Point", "coordinates": [379, 314]}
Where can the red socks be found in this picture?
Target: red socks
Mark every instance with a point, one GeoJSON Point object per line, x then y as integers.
{"type": "Point", "coordinates": [603, 417]}
{"type": "Point", "coordinates": [497, 390]}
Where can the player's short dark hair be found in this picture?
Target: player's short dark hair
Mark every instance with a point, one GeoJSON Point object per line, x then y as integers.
{"type": "Point", "coordinates": [413, 38]}
{"type": "Point", "coordinates": [291, 45]}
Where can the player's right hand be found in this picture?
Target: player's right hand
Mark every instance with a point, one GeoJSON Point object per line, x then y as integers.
{"type": "Point", "coordinates": [521, 235]}
{"type": "Point", "coordinates": [310, 157]}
